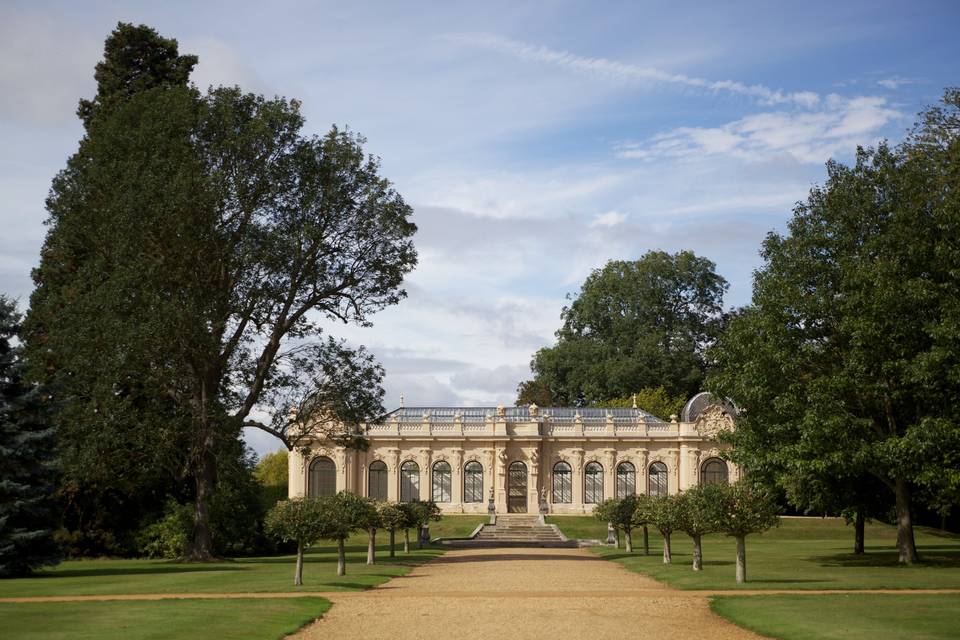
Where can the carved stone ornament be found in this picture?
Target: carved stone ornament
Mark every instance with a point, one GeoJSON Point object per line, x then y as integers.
{"type": "Point", "coordinates": [534, 410]}
{"type": "Point", "coordinates": [712, 421]}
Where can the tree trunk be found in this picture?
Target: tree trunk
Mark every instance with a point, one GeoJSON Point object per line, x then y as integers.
{"type": "Point", "coordinates": [646, 541]}
{"type": "Point", "coordinates": [406, 540]}
{"type": "Point", "coordinates": [905, 542]}
{"type": "Point", "coordinates": [205, 478]}
{"type": "Point", "coordinates": [372, 545]}
{"type": "Point", "coordinates": [859, 525]}
{"type": "Point", "coordinates": [628, 540]}
{"type": "Point", "coordinates": [667, 559]}
{"type": "Point", "coordinates": [298, 572]}
{"type": "Point", "coordinates": [341, 558]}
{"type": "Point", "coordinates": [741, 559]}
{"type": "Point", "coordinates": [697, 553]}
{"type": "Point", "coordinates": [393, 541]}
{"type": "Point", "coordinates": [420, 536]}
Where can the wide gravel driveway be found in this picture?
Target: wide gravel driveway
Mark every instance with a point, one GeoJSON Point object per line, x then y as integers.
{"type": "Point", "coordinates": [521, 593]}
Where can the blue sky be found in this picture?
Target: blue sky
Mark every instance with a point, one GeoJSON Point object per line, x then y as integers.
{"type": "Point", "coordinates": [534, 140]}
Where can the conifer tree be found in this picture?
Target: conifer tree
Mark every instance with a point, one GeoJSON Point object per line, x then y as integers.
{"type": "Point", "coordinates": [26, 461]}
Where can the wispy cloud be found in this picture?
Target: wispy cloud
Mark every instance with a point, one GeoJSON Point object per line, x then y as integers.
{"type": "Point", "coordinates": [609, 219]}
{"type": "Point", "coordinates": [806, 136]}
{"type": "Point", "coordinates": [624, 71]}
{"type": "Point", "coordinates": [896, 82]}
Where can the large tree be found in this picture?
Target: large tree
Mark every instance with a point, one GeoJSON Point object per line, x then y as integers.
{"type": "Point", "coordinates": [27, 460]}
{"type": "Point", "coordinates": [634, 325]}
{"type": "Point", "coordinates": [196, 244]}
{"type": "Point", "coordinates": [848, 360]}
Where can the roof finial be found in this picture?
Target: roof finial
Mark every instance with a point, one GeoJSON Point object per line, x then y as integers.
{"type": "Point", "coordinates": [634, 401]}
{"type": "Point", "coordinates": [401, 401]}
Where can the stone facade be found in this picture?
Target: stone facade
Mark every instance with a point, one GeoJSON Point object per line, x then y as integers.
{"type": "Point", "coordinates": [569, 458]}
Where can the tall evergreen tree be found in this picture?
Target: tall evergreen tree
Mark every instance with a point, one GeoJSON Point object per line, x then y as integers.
{"type": "Point", "coordinates": [27, 462]}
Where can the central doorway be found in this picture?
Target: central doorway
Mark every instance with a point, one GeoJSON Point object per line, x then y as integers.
{"type": "Point", "coordinates": [517, 488]}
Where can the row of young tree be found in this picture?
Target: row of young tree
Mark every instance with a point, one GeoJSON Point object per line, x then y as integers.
{"type": "Point", "coordinates": [736, 510]}
{"type": "Point", "coordinates": [304, 521]}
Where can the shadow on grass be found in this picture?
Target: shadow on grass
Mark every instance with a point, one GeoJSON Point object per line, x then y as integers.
{"type": "Point", "coordinates": [132, 571]}
{"type": "Point", "coordinates": [934, 557]}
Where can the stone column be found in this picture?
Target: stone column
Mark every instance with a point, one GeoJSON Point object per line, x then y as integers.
{"type": "Point", "coordinates": [426, 474]}
{"type": "Point", "coordinates": [577, 480]}
{"type": "Point", "coordinates": [533, 482]}
{"type": "Point", "coordinates": [296, 474]}
{"type": "Point", "coordinates": [610, 474]}
{"type": "Point", "coordinates": [675, 472]}
{"type": "Point", "coordinates": [393, 475]}
{"type": "Point", "coordinates": [340, 457]}
{"type": "Point", "coordinates": [456, 484]}
{"type": "Point", "coordinates": [501, 476]}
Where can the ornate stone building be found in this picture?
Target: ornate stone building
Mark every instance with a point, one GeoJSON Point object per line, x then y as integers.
{"type": "Point", "coordinates": [571, 458]}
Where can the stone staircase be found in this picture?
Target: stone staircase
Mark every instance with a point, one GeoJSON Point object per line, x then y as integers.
{"type": "Point", "coordinates": [518, 530]}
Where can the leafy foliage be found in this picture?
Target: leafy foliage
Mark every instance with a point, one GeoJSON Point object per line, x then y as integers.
{"type": "Point", "coordinates": [634, 325]}
{"type": "Point", "coordinates": [698, 509]}
{"type": "Point", "coordinates": [847, 360]}
{"type": "Point", "coordinates": [655, 401]}
{"type": "Point", "coordinates": [27, 462]}
{"type": "Point", "coordinates": [196, 243]}
{"type": "Point", "coordinates": [744, 508]}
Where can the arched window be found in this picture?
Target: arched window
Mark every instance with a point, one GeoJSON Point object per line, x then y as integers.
{"type": "Point", "coordinates": [322, 478]}
{"type": "Point", "coordinates": [657, 483]}
{"type": "Point", "coordinates": [473, 482]}
{"type": "Point", "coordinates": [409, 481]}
{"type": "Point", "coordinates": [562, 483]}
{"type": "Point", "coordinates": [377, 480]}
{"type": "Point", "coordinates": [626, 480]}
{"type": "Point", "coordinates": [442, 482]}
{"type": "Point", "coordinates": [713, 471]}
{"type": "Point", "coordinates": [593, 483]}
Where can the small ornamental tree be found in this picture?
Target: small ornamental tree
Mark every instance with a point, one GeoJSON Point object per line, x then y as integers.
{"type": "Point", "coordinates": [342, 515]}
{"type": "Point", "coordinates": [641, 518]}
{"type": "Point", "coordinates": [663, 513]}
{"type": "Point", "coordinates": [410, 520]}
{"type": "Point", "coordinates": [744, 509]}
{"type": "Point", "coordinates": [622, 514]}
{"type": "Point", "coordinates": [370, 520]}
{"type": "Point", "coordinates": [392, 517]}
{"type": "Point", "coordinates": [604, 512]}
{"type": "Point", "coordinates": [698, 516]}
{"type": "Point", "coordinates": [424, 511]}
{"type": "Point", "coordinates": [297, 520]}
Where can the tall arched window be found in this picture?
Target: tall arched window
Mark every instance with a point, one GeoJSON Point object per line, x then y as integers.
{"type": "Point", "coordinates": [322, 480]}
{"type": "Point", "coordinates": [562, 483]}
{"type": "Point", "coordinates": [442, 482]}
{"type": "Point", "coordinates": [377, 480]}
{"type": "Point", "coordinates": [593, 483]}
{"type": "Point", "coordinates": [626, 480]}
{"type": "Point", "coordinates": [409, 481]}
{"type": "Point", "coordinates": [657, 482]}
{"type": "Point", "coordinates": [473, 482]}
{"type": "Point", "coordinates": [713, 471]}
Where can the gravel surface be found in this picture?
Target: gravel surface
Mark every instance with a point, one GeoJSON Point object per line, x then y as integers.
{"type": "Point", "coordinates": [521, 593]}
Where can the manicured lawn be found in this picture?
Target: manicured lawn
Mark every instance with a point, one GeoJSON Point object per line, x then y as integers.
{"type": "Point", "coordinates": [845, 617]}
{"type": "Point", "coordinates": [803, 553]}
{"type": "Point", "coordinates": [242, 619]}
{"type": "Point", "coordinates": [269, 574]}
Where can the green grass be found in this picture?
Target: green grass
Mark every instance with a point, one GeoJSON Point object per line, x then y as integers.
{"type": "Point", "coordinates": [242, 619]}
{"type": "Point", "coordinates": [803, 553]}
{"type": "Point", "coordinates": [845, 617]}
{"type": "Point", "coordinates": [268, 574]}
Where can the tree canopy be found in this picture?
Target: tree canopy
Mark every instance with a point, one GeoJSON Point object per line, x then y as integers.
{"type": "Point", "coordinates": [196, 244]}
{"type": "Point", "coordinates": [847, 360]}
{"type": "Point", "coordinates": [634, 325]}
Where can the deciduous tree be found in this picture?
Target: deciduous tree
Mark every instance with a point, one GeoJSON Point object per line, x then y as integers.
{"type": "Point", "coordinates": [634, 325]}
{"type": "Point", "coordinates": [299, 520]}
{"type": "Point", "coordinates": [744, 508]}
{"type": "Point", "coordinates": [663, 512]}
{"type": "Point", "coordinates": [698, 515]}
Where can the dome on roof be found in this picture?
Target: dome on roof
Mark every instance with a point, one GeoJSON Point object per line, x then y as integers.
{"type": "Point", "coordinates": [696, 405]}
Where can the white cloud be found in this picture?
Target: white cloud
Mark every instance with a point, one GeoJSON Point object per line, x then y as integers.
{"type": "Point", "coordinates": [806, 136]}
{"type": "Point", "coordinates": [609, 219]}
{"type": "Point", "coordinates": [896, 82]}
{"type": "Point", "coordinates": [626, 72]}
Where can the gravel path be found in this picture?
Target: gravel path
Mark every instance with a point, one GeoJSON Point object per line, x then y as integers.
{"type": "Point", "coordinates": [521, 593]}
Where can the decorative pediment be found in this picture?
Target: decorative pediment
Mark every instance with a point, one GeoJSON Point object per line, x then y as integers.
{"type": "Point", "coordinates": [712, 421]}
